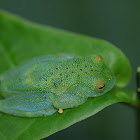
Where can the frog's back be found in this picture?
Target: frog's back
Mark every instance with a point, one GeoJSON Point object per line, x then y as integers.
{"type": "Point", "coordinates": [27, 75]}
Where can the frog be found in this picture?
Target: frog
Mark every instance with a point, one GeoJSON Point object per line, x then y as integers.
{"type": "Point", "coordinates": [46, 84]}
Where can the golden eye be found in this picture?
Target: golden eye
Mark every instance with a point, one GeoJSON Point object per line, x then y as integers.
{"type": "Point", "coordinates": [98, 58]}
{"type": "Point", "coordinates": [100, 85]}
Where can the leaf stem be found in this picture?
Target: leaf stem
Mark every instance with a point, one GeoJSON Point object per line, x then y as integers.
{"type": "Point", "coordinates": [138, 81]}
{"type": "Point", "coordinates": [138, 108]}
{"type": "Point", "coordinates": [138, 123]}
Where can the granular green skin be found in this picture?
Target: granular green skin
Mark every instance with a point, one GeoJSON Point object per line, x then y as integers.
{"type": "Point", "coordinates": [45, 84]}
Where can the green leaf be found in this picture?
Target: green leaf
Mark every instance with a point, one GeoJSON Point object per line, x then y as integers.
{"type": "Point", "coordinates": [21, 40]}
{"type": "Point", "coordinates": [16, 128]}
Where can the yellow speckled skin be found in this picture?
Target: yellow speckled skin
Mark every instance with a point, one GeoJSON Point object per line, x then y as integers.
{"type": "Point", "coordinates": [45, 84]}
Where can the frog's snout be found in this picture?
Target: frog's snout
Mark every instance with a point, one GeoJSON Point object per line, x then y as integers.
{"type": "Point", "coordinates": [112, 81]}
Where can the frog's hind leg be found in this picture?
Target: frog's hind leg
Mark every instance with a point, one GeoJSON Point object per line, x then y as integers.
{"type": "Point", "coordinates": [28, 105]}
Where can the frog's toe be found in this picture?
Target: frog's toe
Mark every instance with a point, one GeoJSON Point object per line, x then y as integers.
{"type": "Point", "coordinates": [60, 111]}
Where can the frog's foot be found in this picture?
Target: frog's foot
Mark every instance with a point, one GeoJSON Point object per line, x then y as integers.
{"type": "Point", "coordinates": [60, 111]}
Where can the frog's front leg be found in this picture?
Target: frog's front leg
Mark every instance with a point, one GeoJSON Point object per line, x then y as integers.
{"type": "Point", "coordinates": [30, 104]}
{"type": "Point", "coordinates": [76, 95]}
{"type": "Point", "coordinates": [68, 100]}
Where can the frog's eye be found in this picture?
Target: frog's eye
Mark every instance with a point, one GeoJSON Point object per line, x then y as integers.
{"type": "Point", "coordinates": [98, 58]}
{"type": "Point", "coordinates": [100, 85]}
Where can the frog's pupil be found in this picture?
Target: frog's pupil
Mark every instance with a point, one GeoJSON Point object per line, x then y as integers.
{"type": "Point", "coordinates": [102, 87]}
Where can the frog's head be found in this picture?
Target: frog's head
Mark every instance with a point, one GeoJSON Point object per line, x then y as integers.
{"type": "Point", "coordinates": [102, 80]}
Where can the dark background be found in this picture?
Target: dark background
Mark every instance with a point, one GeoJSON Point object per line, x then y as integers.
{"type": "Point", "coordinates": [117, 21]}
